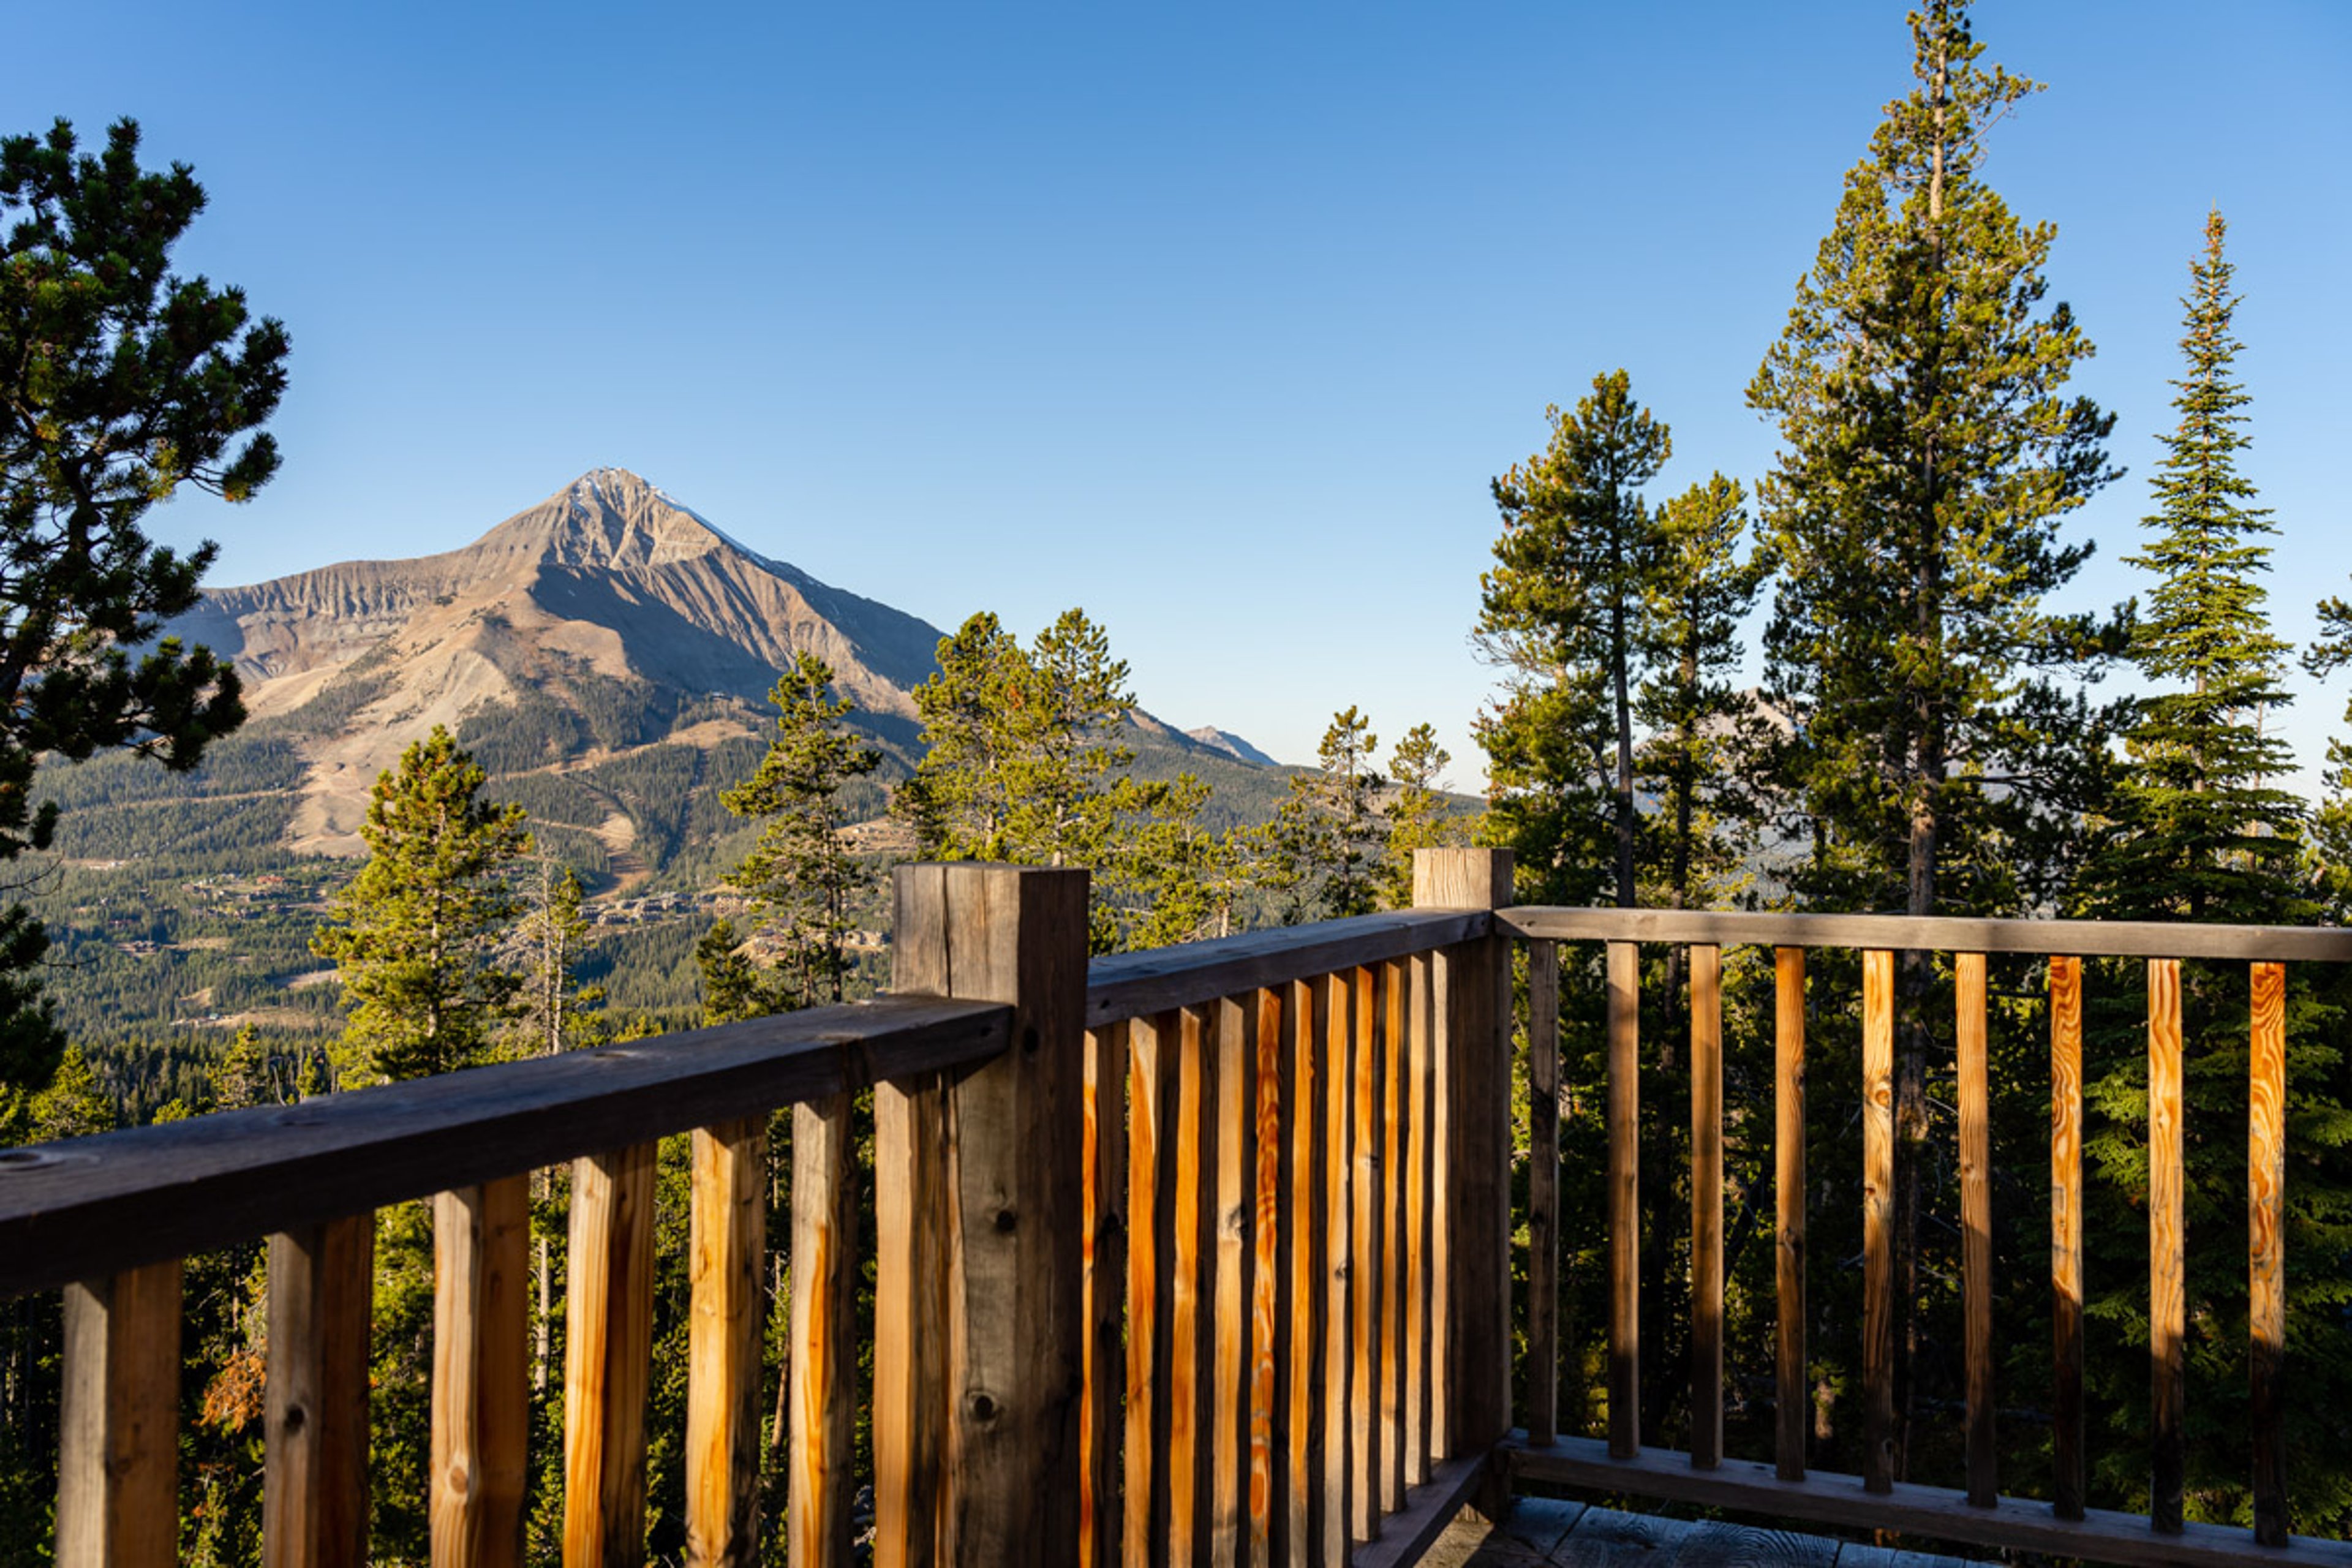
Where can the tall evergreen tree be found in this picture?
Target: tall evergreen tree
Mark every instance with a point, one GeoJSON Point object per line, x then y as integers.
{"type": "Point", "coordinates": [1561, 614]}
{"type": "Point", "coordinates": [1419, 815]}
{"type": "Point", "coordinates": [119, 382]}
{"type": "Point", "coordinates": [416, 933]}
{"type": "Point", "coordinates": [1928, 456]}
{"type": "Point", "coordinates": [1325, 846]}
{"type": "Point", "coordinates": [2200, 832]}
{"type": "Point", "coordinates": [803, 883]}
{"type": "Point", "coordinates": [554, 1010]}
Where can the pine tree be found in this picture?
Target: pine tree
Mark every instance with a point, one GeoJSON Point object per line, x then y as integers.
{"type": "Point", "coordinates": [803, 883]}
{"type": "Point", "coordinates": [124, 381]}
{"type": "Point", "coordinates": [1561, 613]}
{"type": "Point", "coordinates": [1325, 847]}
{"type": "Point", "coordinates": [1419, 815]}
{"type": "Point", "coordinates": [1928, 456]}
{"type": "Point", "coordinates": [2199, 830]}
{"type": "Point", "coordinates": [554, 1009]}
{"type": "Point", "coordinates": [414, 934]}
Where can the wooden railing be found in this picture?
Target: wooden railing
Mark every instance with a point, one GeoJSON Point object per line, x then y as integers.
{"type": "Point", "coordinates": [1977, 1514]}
{"type": "Point", "coordinates": [1308, 1337]}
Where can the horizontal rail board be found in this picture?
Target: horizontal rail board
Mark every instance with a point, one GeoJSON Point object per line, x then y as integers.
{"type": "Point", "coordinates": [1406, 1535]}
{"type": "Point", "coordinates": [1934, 933]}
{"type": "Point", "coordinates": [2100, 1536]}
{"type": "Point", "coordinates": [94, 1206]}
{"type": "Point", "coordinates": [1140, 984]}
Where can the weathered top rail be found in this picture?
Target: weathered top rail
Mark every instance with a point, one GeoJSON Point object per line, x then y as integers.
{"type": "Point", "coordinates": [1139, 984]}
{"type": "Point", "coordinates": [1934, 933]}
{"type": "Point", "coordinates": [94, 1206]}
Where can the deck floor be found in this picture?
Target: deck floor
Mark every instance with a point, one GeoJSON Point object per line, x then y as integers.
{"type": "Point", "coordinates": [1540, 1532]}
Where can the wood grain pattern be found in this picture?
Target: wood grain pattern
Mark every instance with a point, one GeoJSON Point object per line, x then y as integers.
{"type": "Point", "coordinates": [1136, 984]}
{"type": "Point", "coordinates": [2023, 1525]}
{"type": "Point", "coordinates": [1624, 978]}
{"type": "Point", "coordinates": [1101, 1418]}
{"type": "Point", "coordinates": [90, 1206]}
{"type": "Point", "coordinates": [1878, 1218]}
{"type": "Point", "coordinates": [824, 1262]}
{"type": "Point", "coordinates": [314, 1509]}
{"type": "Point", "coordinates": [2066, 1234]}
{"type": "Point", "coordinates": [1233, 1028]}
{"type": "Point", "coordinates": [726, 1240]}
{"type": "Point", "coordinates": [1150, 1086]}
{"type": "Point", "coordinates": [1542, 1380]}
{"type": "Point", "coordinates": [1392, 991]}
{"type": "Point", "coordinates": [1436, 1010]}
{"type": "Point", "coordinates": [1706, 1206]}
{"type": "Point", "coordinates": [1269, 1324]}
{"type": "Point", "coordinates": [2168, 1305]}
{"type": "Point", "coordinates": [118, 1460]}
{"type": "Point", "coordinates": [1364, 1464]}
{"type": "Point", "coordinates": [2266, 1250]}
{"type": "Point", "coordinates": [1976, 1222]}
{"type": "Point", "coordinates": [1309, 1007]}
{"type": "Point", "coordinates": [1789, 1351]}
{"type": "Point", "coordinates": [1419, 1203]}
{"type": "Point", "coordinates": [481, 1370]}
{"type": "Point", "coordinates": [909, 1316]}
{"type": "Point", "coordinates": [1336, 1496]}
{"type": "Point", "coordinates": [1937, 934]}
{"type": "Point", "coordinates": [607, 1359]}
{"type": "Point", "coordinates": [1015, 1335]}
{"type": "Point", "coordinates": [1187, 1171]}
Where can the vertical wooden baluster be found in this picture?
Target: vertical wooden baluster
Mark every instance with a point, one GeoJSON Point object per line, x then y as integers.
{"type": "Point", "coordinates": [1151, 1155]}
{"type": "Point", "coordinates": [910, 1261]}
{"type": "Point", "coordinates": [2066, 1234]}
{"type": "Point", "coordinates": [1393, 1265]}
{"type": "Point", "coordinates": [824, 1265]}
{"type": "Point", "coordinates": [2167, 1310]}
{"type": "Point", "coordinates": [1975, 1222]}
{"type": "Point", "coordinates": [118, 1423]}
{"type": "Point", "coordinates": [1308, 1322]}
{"type": "Point", "coordinates": [727, 1248]}
{"type": "Point", "coordinates": [481, 1390]}
{"type": "Point", "coordinates": [2266, 1249]}
{"type": "Point", "coordinates": [1625, 1201]}
{"type": "Point", "coordinates": [1543, 1193]}
{"type": "Point", "coordinates": [1339, 1170]}
{"type": "Point", "coordinates": [1877, 1220]}
{"type": "Point", "coordinates": [1190, 1167]}
{"type": "Point", "coordinates": [1423, 1338]}
{"type": "Point", "coordinates": [1707, 1206]}
{"type": "Point", "coordinates": [608, 1361]}
{"type": "Point", "coordinates": [1789, 1364]}
{"type": "Point", "coordinates": [314, 1509]}
{"type": "Point", "coordinates": [1233, 1029]}
{"type": "Point", "coordinates": [1105, 1305]}
{"type": "Point", "coordinates": [1269, 1324]}
{"type": "Point", "coordinates": [1364, 1273]}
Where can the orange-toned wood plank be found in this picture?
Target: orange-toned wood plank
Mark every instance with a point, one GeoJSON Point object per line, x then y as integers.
{"type": "Point", "coordinates": [481, 1391]}
{"type": "Point", "coordinates": [2168, 1303]}
{"type": "Point", "coordinates": [1975, 1222]}
{"type": "Point", "coordinates": [726, 1263]}
{"type": "Point", "coordinates": [1790, 1365]}
{"type": "Point", "coordinates": [1269, 1325]}
{"type": "Point", "coordinates": [910, 1315]}
{"type": "Point", "coordinates": [1309, 1006]}
{"type": "Point", "coordinates": [1431, 1007]}
{"type": "Point", "coordinates": [1186, 1172]}
{"type": "Point", "coordinates": [1542, 1416]}
{"type": "Point", "coordinates": [2066, 1234]}
{"type": "Point", "coordinates": [2266, 1249]}
{"type": "Point", "coordinates": [1624, 981]}
{"type": "Point", "coordinates": [1152, 1047]}
{"type": "Point", "coordinates": [314, 1509]}
{"type": "Point", "coordinates": [1104, 1297]}
{"type": "Point", "coordinates": [1707, 1206]}
{"type": "Point", "coordinates": [119, 1450]}
{"type": "Point", "coordinates": [1393, 989]}
{"type": "Point", "coordinates": [1878, 1219]}
{"type": "Point", "coordinates": [1233, 1030]}
{"type": "Point", "coordinates": [823, 1314]}
{"type": "Point", "coordinates": [1337, 1498]}
{"type": "Point", "coordinates": [608, 1358]}
{"type": "Point", "coordinates": [1419, 1333]}
{"type": "Point", "coordinates": [1364, 1271]}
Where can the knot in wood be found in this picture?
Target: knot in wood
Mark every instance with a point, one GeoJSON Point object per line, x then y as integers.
{"type": "Point", "coordinates": [983, 1407]}
{"type": "Point", "coordinates": [1004, 1220]}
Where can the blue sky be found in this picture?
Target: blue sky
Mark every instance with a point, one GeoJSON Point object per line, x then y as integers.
{"type": "Point", "coordinates": [1213, 319]}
